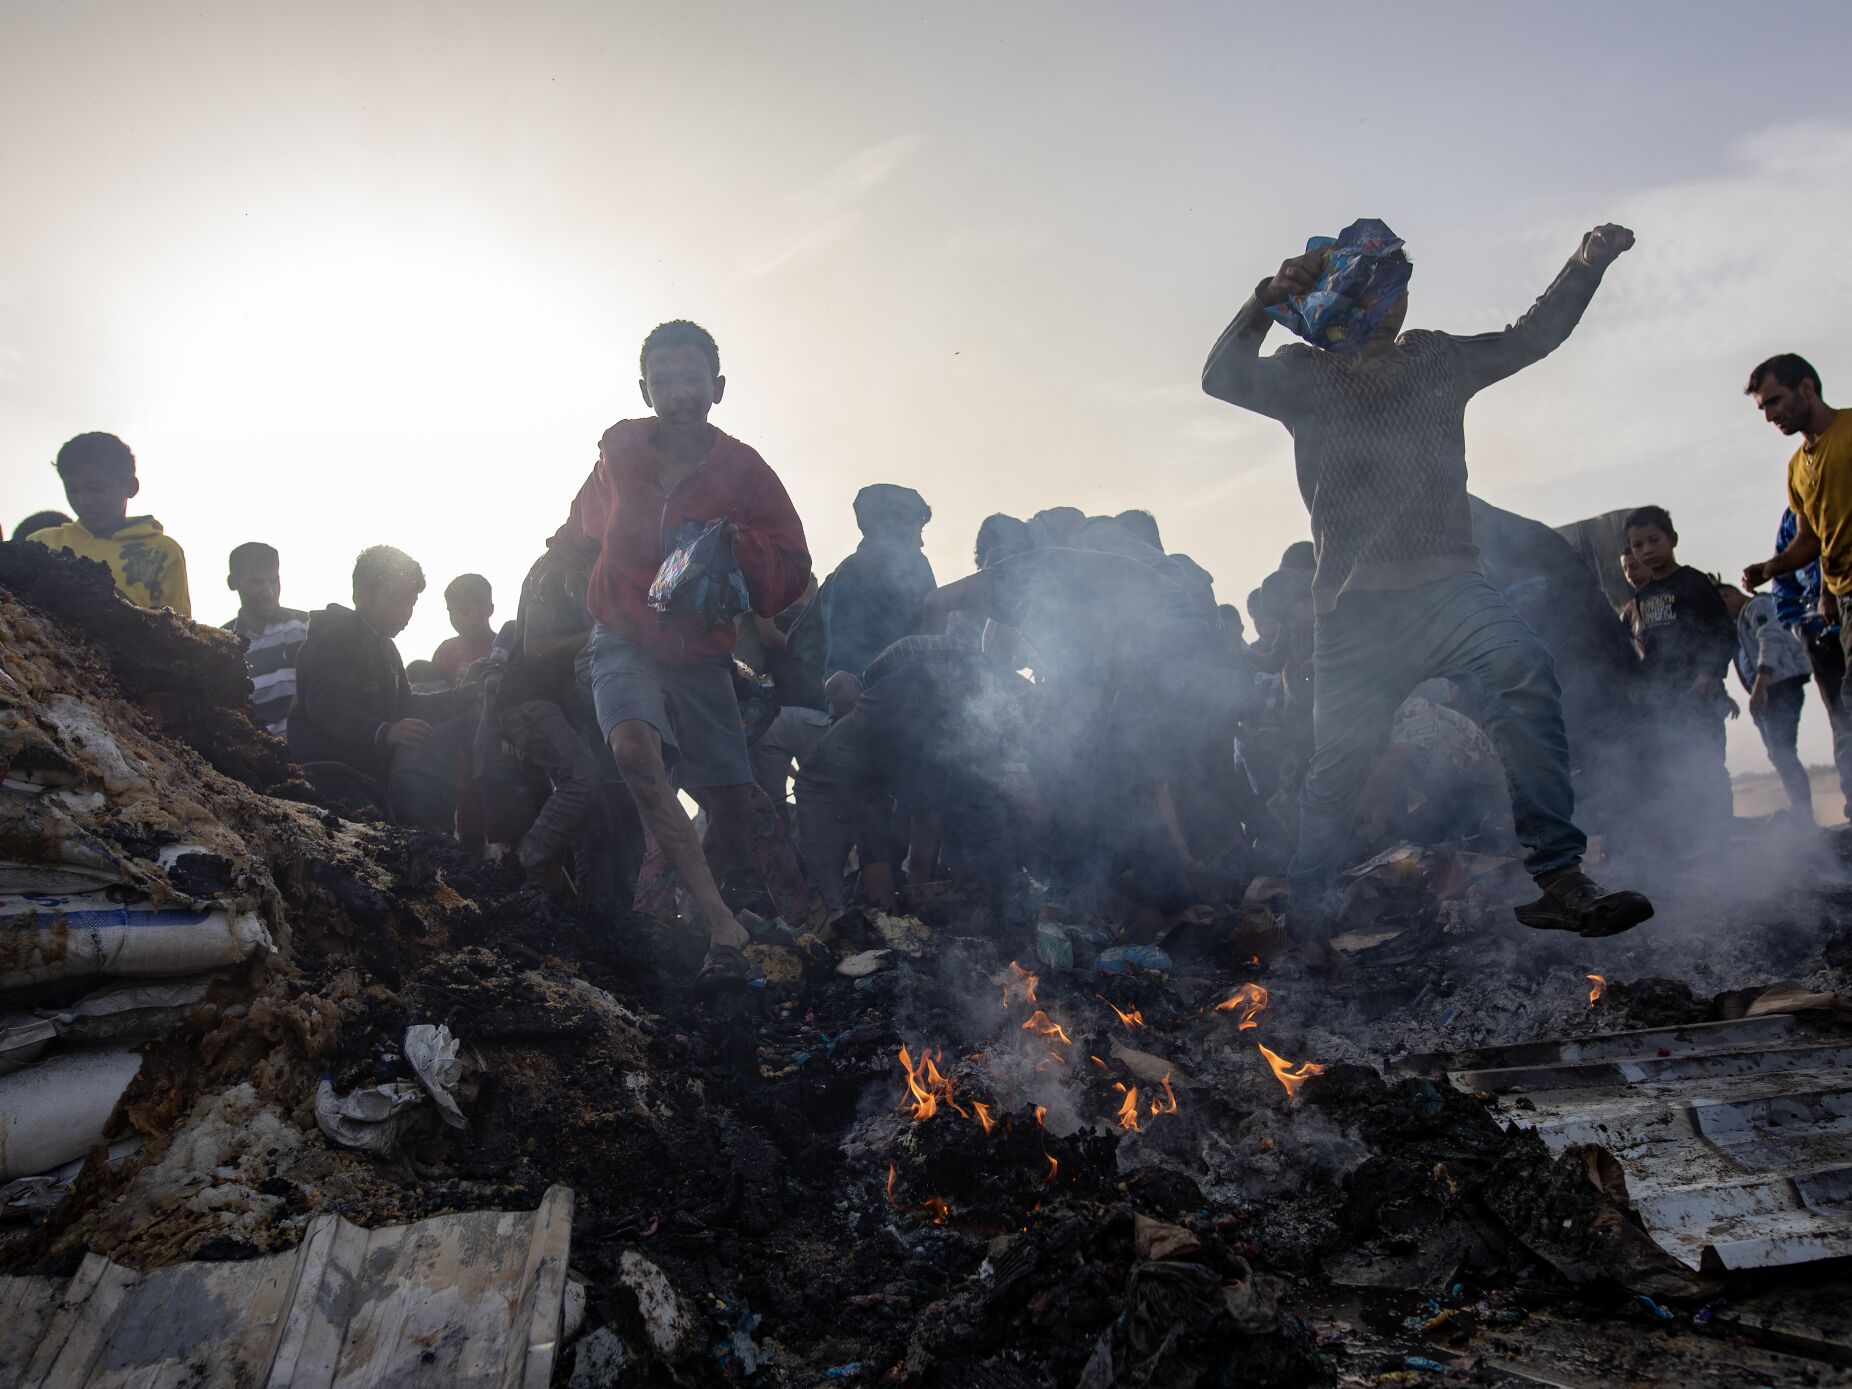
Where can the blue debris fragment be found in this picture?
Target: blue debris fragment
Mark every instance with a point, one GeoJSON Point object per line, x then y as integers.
{"type": "Point", "coordinates": [854, 1367]}
{"type": "Point", "coordinates": [1421, 1362]}
{"type": "Point", "coordinates": [1663, 1313]}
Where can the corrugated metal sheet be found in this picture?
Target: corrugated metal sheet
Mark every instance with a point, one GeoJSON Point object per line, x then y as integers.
{"type": "Point", "coordinates": [1736, 1137]}
{"type": "Point", "coordinates": [472, 1299]}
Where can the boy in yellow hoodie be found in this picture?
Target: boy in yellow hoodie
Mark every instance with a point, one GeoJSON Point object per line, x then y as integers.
{"type": "Point", "coordinates": [98, 473]}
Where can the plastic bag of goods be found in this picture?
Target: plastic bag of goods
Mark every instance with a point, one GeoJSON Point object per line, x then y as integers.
{"type": "Point", "coordinates": [700, 578]}
{"type": "Point", "coordinates": [1365, 273]}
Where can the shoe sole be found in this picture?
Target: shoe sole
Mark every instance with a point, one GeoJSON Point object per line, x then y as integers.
{"type": "Point", "coordinates": [1612, 920]}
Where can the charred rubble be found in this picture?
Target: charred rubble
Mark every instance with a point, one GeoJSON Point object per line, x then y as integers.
{"type": "Point", "coordinates": [920, 1155]}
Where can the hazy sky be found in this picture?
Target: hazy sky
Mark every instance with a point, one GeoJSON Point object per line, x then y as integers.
{"type": "Point", "coordinates": [348, 273]}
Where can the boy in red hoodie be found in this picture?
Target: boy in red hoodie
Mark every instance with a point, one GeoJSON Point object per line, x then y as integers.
{"type": "Point", "coordinates": [664, 688]}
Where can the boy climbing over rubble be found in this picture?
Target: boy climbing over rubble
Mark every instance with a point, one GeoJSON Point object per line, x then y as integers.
{"type": "Point", "coordinates": [531, 693]}
{"type": "Point", "coordinates": [272, 634]}
{"type": "Point", "coordinates": [1773, 667]}
{"type": "Point", "coordinates": [663, 683]}
{"type": "Point", "coordinates": [98, 473]}
{"type": "Point", "coordinates": [1687, 640]}
{"type": "Point", "coordinates": [1380, 445]}
{"type": "Point", "coordinates": [470, 603]}
{"type": "Point", "coordinates": [360, 733]}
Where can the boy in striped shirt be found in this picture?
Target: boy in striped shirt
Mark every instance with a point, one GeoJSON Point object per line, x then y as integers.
{"type": "Point", "coordinates": [272, 634]}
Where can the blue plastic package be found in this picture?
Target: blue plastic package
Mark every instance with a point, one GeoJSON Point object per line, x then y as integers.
{"type": "Point", "coordinates": [700, 577]}
{"type": "Point", "coordinates": [1364, 275]}
{"type": "Point", "coordinates": [1132, 959]}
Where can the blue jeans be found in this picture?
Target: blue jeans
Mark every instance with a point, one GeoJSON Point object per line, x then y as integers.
{"type": "Point", "coordinates": [1370, 652]}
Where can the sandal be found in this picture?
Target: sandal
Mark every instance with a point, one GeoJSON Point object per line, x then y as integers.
{"type": "Point", "coordinates": [726, 966]}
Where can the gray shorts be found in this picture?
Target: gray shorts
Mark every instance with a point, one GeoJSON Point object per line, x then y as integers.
{"type": "Point", "coordinates": [692, 707]}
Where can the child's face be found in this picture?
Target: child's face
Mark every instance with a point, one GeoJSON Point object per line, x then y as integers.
{"type": "Point", "coordinates": [389, 607]}
{"type": "Point", "coordinates": [679, 386]}
{"type": "Point", "coordinates": [1653, 548]}
{"type": "Point", "coordinates": [99, 495]}
{"type": "Point", "coordinates": [469, 616]}
{"type": "Point", "coordinates": [259, 587]}
{"type": "Point", "coordinates": [1632, 569]}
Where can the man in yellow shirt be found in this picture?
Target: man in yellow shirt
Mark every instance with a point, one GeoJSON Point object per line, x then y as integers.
{"type": "Point", "coordinates": [98, 473]}
{"type": "Point", "coordinates": [1787, 391]}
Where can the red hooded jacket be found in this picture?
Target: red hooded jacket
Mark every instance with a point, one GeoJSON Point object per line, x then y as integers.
{"type": "Point", "coordinates": [622, 516]}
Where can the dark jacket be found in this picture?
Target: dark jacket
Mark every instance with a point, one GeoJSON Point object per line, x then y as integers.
{"type": "Point", "coordinates": [350, 688]}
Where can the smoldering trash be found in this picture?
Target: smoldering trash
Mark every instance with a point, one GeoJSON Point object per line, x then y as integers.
{"type": "Point", "coordinates": [460, 1132]}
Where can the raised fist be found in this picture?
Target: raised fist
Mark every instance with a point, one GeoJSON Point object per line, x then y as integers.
{"type": "Point", "coordinates": [1604, 243]}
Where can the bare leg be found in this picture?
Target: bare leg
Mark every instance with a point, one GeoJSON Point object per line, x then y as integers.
{"type": "Point", "coordinates": [638, 750]}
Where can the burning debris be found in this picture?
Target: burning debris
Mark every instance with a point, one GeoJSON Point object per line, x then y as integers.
{"type": "Point", "coordinates": [948, 1171]}
{"type": "Point", "coordinates": [1289, 1075]}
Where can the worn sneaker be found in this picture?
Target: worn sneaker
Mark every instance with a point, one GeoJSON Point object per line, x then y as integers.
{"type": "Point", "coordinates": [1573, 901]}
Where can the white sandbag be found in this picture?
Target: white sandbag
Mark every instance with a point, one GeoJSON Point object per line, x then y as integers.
{"type": "Point", "coordinates": [129, 1011]}
{"type": "Point", "coordinates": [42, 879]}
{"type": "Point", "coordinates": [28, 1197]}
{"type": "Point", "coordinates": [55, 1111]}
{"type": "Point", "coordinates": [45, 936]}
{"type": "Point", "coordinates": [22, 1037]}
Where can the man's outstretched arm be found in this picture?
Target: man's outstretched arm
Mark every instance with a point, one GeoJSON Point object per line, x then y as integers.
{"type": "Point", "coordinates": [1798, 553]}
{"type": "Point", "coordinates": [1492, 357]}
{"type": "Point", "coordinates": [1235, 371]}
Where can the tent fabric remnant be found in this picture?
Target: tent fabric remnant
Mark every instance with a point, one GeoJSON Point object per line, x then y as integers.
{"type": "Point", "coordinates": [472, 1300]}
{"type": "Point", "coordinates": [1735, 1136]}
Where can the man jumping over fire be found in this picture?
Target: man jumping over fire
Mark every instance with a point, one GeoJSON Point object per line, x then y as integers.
{"type": "Point", "coordinates": [1378, 428]}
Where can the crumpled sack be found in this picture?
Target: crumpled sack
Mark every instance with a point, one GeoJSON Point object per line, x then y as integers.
{"type": "Point", "coordinates": [373, 1119]}
{"type": "Point", "coordinates": [435, 1059]}
{"type": "Point", "coordinates": [1362, 279]}
{"type": "Point", "coordinates": [701, 577]}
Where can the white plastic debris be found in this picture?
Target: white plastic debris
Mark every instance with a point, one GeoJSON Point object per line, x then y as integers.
{"type": "Point", "coordinates": [672, 1326]}
{"type": "Point", "coordinates": [604, 1359]}
{"type": "Point", "coordinates": [866, 963]}
{"type": "Point", "coordinates": [432, 1051]}
{"type": "Point", "coordinates": [372, 1120]}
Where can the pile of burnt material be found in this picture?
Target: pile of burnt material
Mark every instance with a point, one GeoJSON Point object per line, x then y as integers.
{"type": "Point", "coordinates": [919, 1154]}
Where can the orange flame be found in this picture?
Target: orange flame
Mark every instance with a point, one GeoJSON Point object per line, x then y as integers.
{"type": "Point", "coordinates": [1167, 1105]}
{"type": "Point", "coordinates": [1021, 985]}
{"type": "Point", "coordinates": [1096, 1061]}
{"type": "Point", "coordinates": [928, 1087]}
{"type": "Point", "coordinates": [1047, 1026]}
{"type": "Point", "coordinates": [1601, 987]}
{"type": "Point", "coordinates": [1041, 1113]}
{"type": "Point", "coordinates": [938, 1208]}
{"type": "Point", "coordinates": [983, 1115]}
{"type": "Point", "coordinates": [1250, 999]}
{"type": "Point", "coordinates": [1289, 1075]}
{"type": "Point", "coordinates": [1128, 1112]}
{"type": "Point", "coordinates": [892, 1175]}
{"type": "Point", "coordinates": [1053, 1167]}
{"type": "Point", "coordinates": [1131, 1019]}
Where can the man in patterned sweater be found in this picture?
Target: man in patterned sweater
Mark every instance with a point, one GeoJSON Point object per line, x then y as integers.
{"type": "Point", "coordinates": [1380, 447]}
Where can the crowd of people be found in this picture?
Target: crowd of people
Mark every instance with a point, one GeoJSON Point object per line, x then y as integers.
{"type": "Point", "coordinates": [1081, 715]}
